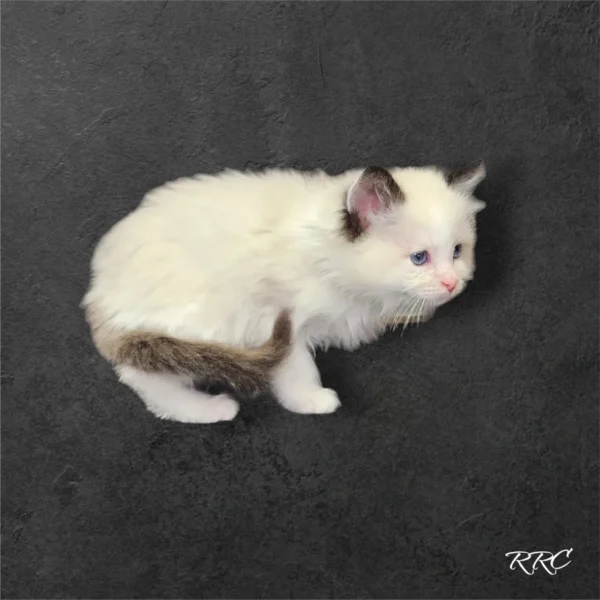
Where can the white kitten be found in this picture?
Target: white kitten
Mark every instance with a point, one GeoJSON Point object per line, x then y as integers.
{"type": "Point", "coordinates": [238, 277]}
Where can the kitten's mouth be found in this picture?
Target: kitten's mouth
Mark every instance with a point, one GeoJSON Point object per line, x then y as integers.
{"type": "Point", "coordinates": [444, 298]}
{"type": "Point", "coordinates": [441, 300]}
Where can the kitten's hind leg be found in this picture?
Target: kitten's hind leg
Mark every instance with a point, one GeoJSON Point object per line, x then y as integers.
{"type": "Point", "coordinates": [297, 384]}
{"type": "Point", "coordinates": [173, 397]}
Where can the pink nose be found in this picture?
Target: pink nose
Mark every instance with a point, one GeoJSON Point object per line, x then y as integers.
{"type": "Point", "coordinates": [449, 284]}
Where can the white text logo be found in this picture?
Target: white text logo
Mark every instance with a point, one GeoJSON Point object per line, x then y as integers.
{"type": "Point", "coordinates": [531, 561]}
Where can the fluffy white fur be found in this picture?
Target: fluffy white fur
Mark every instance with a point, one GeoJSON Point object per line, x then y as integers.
{"type": "Point", "coordinates": [216, 258]}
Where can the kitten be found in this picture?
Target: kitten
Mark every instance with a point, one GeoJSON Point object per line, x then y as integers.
{"type": "Point", "coordinates": [238, 277]}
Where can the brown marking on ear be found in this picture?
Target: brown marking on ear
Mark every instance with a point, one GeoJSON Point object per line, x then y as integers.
{"type": "Point", "coordinates": [374, 180]}
{"type": "Point", "coordinates": [463, 173]}
{"type": "Point", "coordinates": [351, 226]}
{"type": "Point", "coordinates": [246, 369]}
{"type": "Point", "coordinates": [382, 181]}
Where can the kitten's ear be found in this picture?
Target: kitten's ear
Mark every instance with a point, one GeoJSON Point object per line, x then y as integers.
{"type": "Point", "coordinates": [477, 206]}
{"type": "Point", "coordinates": [466, 179]}
{"type": "Point", "coordinates": [374, 191]}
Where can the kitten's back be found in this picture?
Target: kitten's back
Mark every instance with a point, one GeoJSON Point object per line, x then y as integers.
{"type": "Point", "coordinates": [196, 246]}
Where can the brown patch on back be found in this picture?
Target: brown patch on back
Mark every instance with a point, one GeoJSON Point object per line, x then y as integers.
{"type": "Point", "coordinates": [247, 369]}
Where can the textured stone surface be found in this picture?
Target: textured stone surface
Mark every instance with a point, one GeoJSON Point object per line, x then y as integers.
{"type": "Point", "coordinates": [469, 437]}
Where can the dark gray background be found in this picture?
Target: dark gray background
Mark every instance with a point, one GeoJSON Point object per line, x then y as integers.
{"type": "Point", "coordinates": [467, 438]}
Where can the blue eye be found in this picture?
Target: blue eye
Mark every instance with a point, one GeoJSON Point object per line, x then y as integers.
{"type": "Point", "coordinates": [457, 250]}
{"type": "Point", "coordinates": [419, 258]}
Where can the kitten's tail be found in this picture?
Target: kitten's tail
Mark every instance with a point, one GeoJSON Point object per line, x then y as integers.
{"type": "Point", "coordinates": [247, 369]}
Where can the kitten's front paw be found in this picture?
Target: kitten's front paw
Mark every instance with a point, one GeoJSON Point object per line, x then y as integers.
{"type": "Point", "coordinates": [225, 408]}
{"type": "Point", "coordinates": [317, 402]}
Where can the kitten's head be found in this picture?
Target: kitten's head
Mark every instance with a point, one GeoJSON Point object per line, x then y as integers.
{"type": "Point", "coordinates": [414, 231]}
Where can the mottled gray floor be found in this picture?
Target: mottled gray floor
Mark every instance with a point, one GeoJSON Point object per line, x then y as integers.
{"type": "Point", "coordinates": [467, 438]}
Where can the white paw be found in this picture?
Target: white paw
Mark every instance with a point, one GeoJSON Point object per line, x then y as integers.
{"type": "Point", "coordinates": [223, 408]}
{"type": "Point", "coordinates": [198, 408]}
{"type": "Point", "coordinates": [316, 402]}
